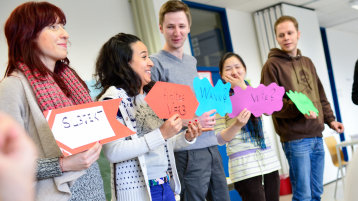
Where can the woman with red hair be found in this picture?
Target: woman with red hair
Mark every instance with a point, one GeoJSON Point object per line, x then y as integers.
{"type": "Point", "coordinates": [38, 78]}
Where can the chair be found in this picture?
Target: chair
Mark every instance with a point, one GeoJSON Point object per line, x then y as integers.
{"type": "Point", "coordinates": [331, 143]}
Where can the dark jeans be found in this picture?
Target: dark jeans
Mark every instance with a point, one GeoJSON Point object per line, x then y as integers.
{"type": "Point", "coordinates": [201, 174]}
{"type": "Point", "coordinates": [162, 192]}
{"type": "Point", "coordinates": [251, 189]}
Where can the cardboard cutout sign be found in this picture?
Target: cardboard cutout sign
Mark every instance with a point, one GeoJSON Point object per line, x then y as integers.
{"type": "Point", "coordinates": [263, 99]}
{"type": "Point", "coordinates": [302, 102]}
{"type": "Point", "coordinates": [167, 99]}
{"type": "Point", "coordinates": [77, 128]}
{"type": "Point", "coordinates": [210, 97]}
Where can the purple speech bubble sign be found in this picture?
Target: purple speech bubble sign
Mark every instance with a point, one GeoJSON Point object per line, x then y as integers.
{"type": "Point", "coordinates": [263, 99]}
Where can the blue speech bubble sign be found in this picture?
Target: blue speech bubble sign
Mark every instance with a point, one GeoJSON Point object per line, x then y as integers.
{"type": "Point", "coordinates": [210, 97]}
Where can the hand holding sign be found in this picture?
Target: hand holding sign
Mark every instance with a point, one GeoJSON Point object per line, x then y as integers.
{"type": "Point", "coordinates": [243, 118]}
{"type": "Point", "coordinates": [194, 130]}
{"type": "Point", "coordinates": [167, 99]}
{"type": "Point", "coordinates": [171, 126]}
{"type": "Point", "coordinates": [77, 128]}
{"type": "Point", "coordinates": [311, 115]}
{"type": "Point", "coordinates": [257, 100]}
{"type": "Point", "coordinates": [210, 97]}
{"type": "Point", "coordinates": [302, 102]}
{"type": "Point", "coordinates": [83, 160]}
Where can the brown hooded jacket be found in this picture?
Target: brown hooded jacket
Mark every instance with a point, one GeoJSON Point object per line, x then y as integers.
{"type": "Point", "coordinates": [296, 74]}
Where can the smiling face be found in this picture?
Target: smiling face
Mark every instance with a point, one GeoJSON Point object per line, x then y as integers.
{"type": "Point", "coordinates": [234, 68]}
{"type": "Point", "coordinates": [287, 37]}
{"type": "Point", "coordinates": [175, 29]}
{"type": "Point", "coordinates": [140, 63]}
{"type": "Point", "coordinates": [52, 43]}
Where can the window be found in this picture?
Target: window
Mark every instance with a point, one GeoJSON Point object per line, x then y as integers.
{"type": "Point", "coordinates": [209, 34]}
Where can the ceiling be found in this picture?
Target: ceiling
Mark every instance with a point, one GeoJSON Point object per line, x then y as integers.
{"type": "Point", "coordinates": [336, 14]}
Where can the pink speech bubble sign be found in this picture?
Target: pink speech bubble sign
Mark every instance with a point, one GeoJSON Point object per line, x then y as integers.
{"type": "Point", "coordinates": [263, 99]}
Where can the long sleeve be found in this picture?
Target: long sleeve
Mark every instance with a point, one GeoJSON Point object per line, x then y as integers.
{"type": "Point", "coordinates": [269, 74]}
{"type": "Point", "coordinates": [355, 85]}
{"type": "Point", "coordinates": [124, 149]}
{"type": "Point", "coordinates": [127, 148]}
{"type": "Point", "coordinates": [326, 107]}
{"type": "Point", "coordinates": [180, 141]}
{"type": "Point", "coordinates": [13, 100]}
{"type": "Point", "coordinates": [14, 103]}
{"type": "Point", "coordinates": [48, 168]}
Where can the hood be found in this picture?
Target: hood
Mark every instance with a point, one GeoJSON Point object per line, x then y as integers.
{"type": "Point", "coordinates": [111, 92]}
{"type": "Point", "coordinates": [275, 52]}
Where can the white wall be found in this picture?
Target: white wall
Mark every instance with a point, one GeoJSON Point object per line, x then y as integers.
{"type": "Point", "coordinates": [343, 49]}
{"type": "Point", "coordinates": [90, 23]}
{"type": "Point", "coordinates": [344, 53]}
{"type": "Point", "coordinates": [243, 37]}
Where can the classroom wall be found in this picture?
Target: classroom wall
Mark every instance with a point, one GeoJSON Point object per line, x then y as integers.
{"type": "Point", "coordinates": [90, 23]}
{"type": "Point", "coordinates": [344, 53]}
{"type": "Point", "coordinates": [243, 37]}
{"type": "Point", "coordinates": [343, 49]}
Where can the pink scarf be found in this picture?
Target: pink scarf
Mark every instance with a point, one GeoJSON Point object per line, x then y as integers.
{"type": "Point", "coordinates": [49, 95]}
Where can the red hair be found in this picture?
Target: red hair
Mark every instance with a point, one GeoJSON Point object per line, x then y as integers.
{"type": "Point", "coordinates": [22, 29]}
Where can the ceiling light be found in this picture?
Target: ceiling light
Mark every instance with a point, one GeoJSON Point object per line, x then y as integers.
{"type": "Point", "coordinates": [354, 4]}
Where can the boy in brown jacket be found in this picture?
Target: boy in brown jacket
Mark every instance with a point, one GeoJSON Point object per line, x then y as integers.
{"type": "Point", "coordinates": [301, 135]}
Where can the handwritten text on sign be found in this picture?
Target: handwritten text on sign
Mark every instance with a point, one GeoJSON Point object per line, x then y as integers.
{"type": "Point", "coordinates": [175, 102]}
{"type": "Point", "coordinates": [263, 99]}
{"type": "Point", "coordinates": [210, 97]}
{"type": "Point", "coordinates": [167, 99]}
{"type": "Point", "coordinates": [77, 128]}
{"type": "Point", "coordinates": [83, 119]}
{"type": "Point", "coordinates": [85, 126]}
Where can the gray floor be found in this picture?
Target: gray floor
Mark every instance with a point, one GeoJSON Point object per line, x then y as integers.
{"type": "Point", "coordinates": [328, 193]}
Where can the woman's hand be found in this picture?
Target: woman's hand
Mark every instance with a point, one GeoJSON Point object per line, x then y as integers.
{"type": "Point", "coordinates": [242, 118]}
{"type": "Point", "coordinates": [194, 130]}
{"type": "Point", "coordinates": [235, 81]}
{"type": "Point", "coordinates": [83, 160]}
{"type": "Point", "coordinates": [171, 126]}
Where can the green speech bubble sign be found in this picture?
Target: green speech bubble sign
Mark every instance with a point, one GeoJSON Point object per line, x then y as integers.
{"type": "Point", "coordinates": [302, 102]}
